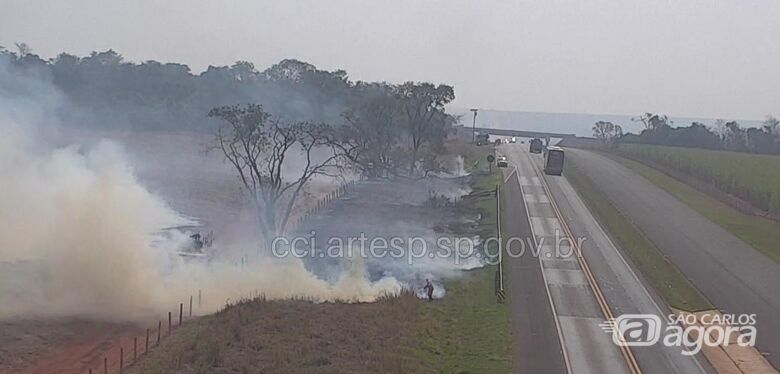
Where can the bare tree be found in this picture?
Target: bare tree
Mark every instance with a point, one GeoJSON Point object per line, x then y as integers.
{"type": "Point", "coordinates": [257, 145]}
{"type": "Point", "coordinates": [653, 121]}
{"type": "Point", "coordinates": [23, 49]}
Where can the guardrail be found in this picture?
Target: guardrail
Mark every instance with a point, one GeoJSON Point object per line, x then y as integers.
{"type": "Point", "coordinates": [500, 295]}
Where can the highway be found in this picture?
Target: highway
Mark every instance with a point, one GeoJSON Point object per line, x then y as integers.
{"type": "Point", "coordinates": [732, 275]}
{"type": "Point", "coordinates": [579, 297]}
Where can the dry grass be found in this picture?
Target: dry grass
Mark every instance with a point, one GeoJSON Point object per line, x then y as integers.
{"type": "Point", "coordinates": [295, 336]}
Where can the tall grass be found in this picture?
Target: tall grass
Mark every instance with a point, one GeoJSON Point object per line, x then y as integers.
{"type": "Point", "coordinates": [750, 177]}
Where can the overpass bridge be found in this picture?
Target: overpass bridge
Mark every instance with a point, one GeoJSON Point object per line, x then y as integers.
{"type": "Point", "coordinates": [521, 133]}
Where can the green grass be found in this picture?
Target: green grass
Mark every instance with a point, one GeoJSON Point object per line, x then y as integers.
{"type": "Point", "coordinates": [760, 233]}
{"type": "Point", "coordinates": [751, 177]}
{"type": "Point", "coordinates": [670, 283]}
{"type": "Point", "coordinates": [468, 331]}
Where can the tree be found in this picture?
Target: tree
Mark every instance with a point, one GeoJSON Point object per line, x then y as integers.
{"type": "Point", "coordinates": [258, 146]}
{"type": "Point", "coordinates": [607, 131]}
{"type": "Point", "coordinates": [425, 119]}
{"type": "Point", "coordinates": [654, 121]}
{"type": "Point", "coordinates": [772, 125]}
{"type": "Point", "coordinates": [371, 137]}
{"type": "Point", "coordinates": [736, 138]}
{"type": "Point", "coordinates": [23, 49]}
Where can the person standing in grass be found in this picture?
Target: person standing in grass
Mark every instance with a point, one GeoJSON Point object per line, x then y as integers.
{"type": "Point", "coordinates": [429, 289]}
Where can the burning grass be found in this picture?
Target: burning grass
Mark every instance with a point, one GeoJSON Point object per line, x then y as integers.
{"type": "Point", "coordinates": [467, 331]}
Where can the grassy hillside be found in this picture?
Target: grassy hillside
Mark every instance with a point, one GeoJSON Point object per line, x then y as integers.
{"type": "Point", "coordinates": [753, 178]}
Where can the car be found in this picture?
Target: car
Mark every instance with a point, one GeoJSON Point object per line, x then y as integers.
{"type": "Point", "coordinates": [502, 162]}
{"type": "Point", "coordinates": [513, 140]}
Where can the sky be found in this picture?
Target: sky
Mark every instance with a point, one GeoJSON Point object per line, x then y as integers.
{"type": "Point", "coordinates": [685, 58]}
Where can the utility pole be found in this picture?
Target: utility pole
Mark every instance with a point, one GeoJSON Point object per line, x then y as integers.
{"type": "Point", "coordinates": [474, 127]}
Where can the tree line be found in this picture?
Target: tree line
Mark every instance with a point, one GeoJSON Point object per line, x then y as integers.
{"type": "Point", "coordinates": [724, 135]}
{"type": "Point", "coordinates": [261, 119]}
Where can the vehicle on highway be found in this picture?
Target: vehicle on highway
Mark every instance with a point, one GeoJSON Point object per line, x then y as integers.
{"type": "Point", "coordinates": [553, 160]}
{"type": "Point", "coordinates": [536, 145]}
{"type": "Point", "coordinates": [513, 140]}
{"type": "Point", "coordinates": [483, 139]}
{"type": "Point", "coordinates": [502, 162]}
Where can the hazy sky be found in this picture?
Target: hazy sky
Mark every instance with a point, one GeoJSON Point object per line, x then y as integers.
{"type": "Point", "coordinates": [718, 58]}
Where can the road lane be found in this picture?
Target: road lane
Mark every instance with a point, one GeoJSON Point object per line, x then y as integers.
{"type": "Point", "coordinates": [622, 287]}
{"type": "Point", "coordinates": [536, 347]}
{"type": "Point", "coordinates": [732, 275]}
{"type": "Point", "coordinates": [578, 316]}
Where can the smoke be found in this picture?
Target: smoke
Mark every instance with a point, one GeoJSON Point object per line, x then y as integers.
{"type": "Point", "coordinates": [77, 227]}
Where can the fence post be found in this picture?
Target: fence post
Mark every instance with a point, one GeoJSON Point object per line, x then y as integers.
{"type": "Point", "coordinates": [121, 360]}
{"type": "Point", "coordinates": [181, 305]}
{"type": "Point", "coordinates": [135, 348]}
{"type": "Point", "coordinates": [169, 323]}
{"type": "Point", "coordinates": [105, 365]}
{"type": "Point", "coordinates": [199, 300]}
{"type": "Point", "coordinates": [146, 349]}
{"type": "Point", "coordinates": [190, 306]}
{"type": "Point", "coordinates": [159, 332]}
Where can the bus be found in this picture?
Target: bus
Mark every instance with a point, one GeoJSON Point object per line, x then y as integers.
{"type": "Point", "coordinates": [553, 160]}
{"type": "Point", "coordinates": [536, 146]}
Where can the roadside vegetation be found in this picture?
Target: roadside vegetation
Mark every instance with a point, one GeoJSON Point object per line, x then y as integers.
{"type": "Point", "coordinates": [728, 173]}
{"type": "Point", "coordinates": [750, 177]}
{"type": "Point", "coordinates": [666, 278]}
{"type": "Point", "coordinates": [465, 332]}
{"type": "Point", "coordinates": [468, 331]}
{"type": "Point", "coordinates": [760, 233]}
{"type": "Point", "coordinates": [297, 336]}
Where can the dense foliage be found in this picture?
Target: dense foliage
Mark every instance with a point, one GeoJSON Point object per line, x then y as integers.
{"type": "Point", "coordinates": [724, 136]}
{"type": "Point", "coordinates": [383, 126]}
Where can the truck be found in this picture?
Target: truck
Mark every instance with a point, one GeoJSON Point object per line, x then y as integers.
{"type": "Point", "coordinates": [483, 139]}
{"type": "Point", "coordinates": [536, 145]}
{"type": "Point", "coordinates": [553, 160]}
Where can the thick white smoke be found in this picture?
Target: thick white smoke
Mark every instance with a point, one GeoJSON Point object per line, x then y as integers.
{"type": "Point", "coordinates": [76, 231]}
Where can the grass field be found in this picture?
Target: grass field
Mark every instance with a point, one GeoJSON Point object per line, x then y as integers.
{"type": "Point", "coordinates": [670, 283]}
{"type": "Point", "coordinates": [751, 177]}
{"type": "Point", "coordinates": [296, 336]}
{"type": "Point", "coordinates": [760, 233]}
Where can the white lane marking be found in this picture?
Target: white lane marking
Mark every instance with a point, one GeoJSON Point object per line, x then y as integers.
{"type": "Point", "coordinates": [623, 260]}
{"type": "Point", "coordinates": [533, 198]}
{"type": "Point", "coordinates": [510, 175]}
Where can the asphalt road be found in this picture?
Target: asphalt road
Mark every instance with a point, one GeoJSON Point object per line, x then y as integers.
{"type": "Point", "coordinates": [736, 278]}
{"type": "Point", "coordinates": [588, 348]}
{"type": "Point", "coordinates": [536, 347]}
